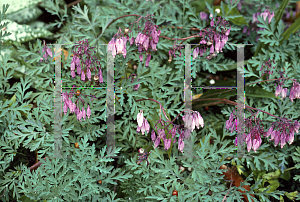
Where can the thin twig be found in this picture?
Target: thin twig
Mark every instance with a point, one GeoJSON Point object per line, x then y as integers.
{"type": "Point", "coordinates": [73, 3]}
{"type": "Point", "coordinates": [228, 190]}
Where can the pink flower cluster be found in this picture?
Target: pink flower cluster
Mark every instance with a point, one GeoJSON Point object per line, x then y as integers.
{"type": "Point", "coordinates": [294, 92]}
{"type": "Point", "coordinates": [264, 14]}
{"type": "Point", "coordinates": [284, 132]}
{"type": "Point", "coordinates": [144, 40]}
{"type": "Point", "coordinates": [193, 119]}
{"type": "Point", "coordinates": [82, 57]}
{"type": "Point", "coordinates": [68, 104]}
{"type": "Point", "coordinates": [47, 51]}
{"type": "Point", "coordinates": [118, 46]}
{"type": "Point", "coordinates": [211, 35]}
{"type": "Point", "coordinates": [143, 124]}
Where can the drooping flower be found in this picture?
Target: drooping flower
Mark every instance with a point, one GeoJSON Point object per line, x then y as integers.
{"type": "Point", "coordinates": [131, 41]}
{"type": "Point", "coordinates": [88, 111]}
{"type": "Point", "coordinates": [269, 132]}
{"type": "Point", "coordinates": [203, 16]}
{"type": "Point", "coordinates": [211, 49]}
{"type": "Point", "coordinates": [146, 43]}
{"type": "Point", "coordinates": [65, 108]}
{"type": "Point", "coordinates": [82, 76]}
{"type": "Point", "coordinates": [278, 90]}
{"type": "Point", "coordinates": [88, 73]}
{"type": "Point", "coordinates": [145, 126]}
{"type": "Point", "coordinates": [284, 92]}
{"type": "Point", "coordinates": [112, 47]}
{"type": "Point", "coordinates": [180, 144]}
{"type": "Point", "coordinates": [256, 142]}
{"type": "Point", "coordinates": [195, 53]}
{"type": "Point", "coordinates": [153, 136]}
{"type": "Point", "coordinates": [295, 91]}
{"type": "Point", "coordinates": [167, 143]}
{"type": "Point", "coordinates": [100, 75]}
{"type": "Point", "coordinates": [73, 74]}
{"type": "Point", "coordinates": [83, 113]}
{"type": "Point", "coordinates": [141, 58]}
{"type": "Point", "coordinates": [212, 22]}
{"type": "Point", "coordinates": [148, 59]}
{"type": "Point", "coordinates": [249, 141]}
{"type": "Point", "coordinates": [140, 118]}
{"type": "Point", "coordinates": [119, 46]}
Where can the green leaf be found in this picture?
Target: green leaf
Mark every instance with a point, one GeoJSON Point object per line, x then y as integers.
{"type": "Point", "coordinates": [291, 30]}
{"type": "Point", "coordinates": [278, 17]}
{"type": "Point", "coordinates": [272, 175]}
{"type": "Point", "coordinates": [258, 92]}
{"type": "Point", "coordinates": [291, 195]}
{"type": "Point", "coordinates": [24, 33]}
{"type": "Point", "coordinates": [286, 175]}
{"type": "Point", "coordinates": [234, 14]}
{"type": "Point", "coordinates": [25, 199]}
{"type": "Point", "coordinates": [200, 5]}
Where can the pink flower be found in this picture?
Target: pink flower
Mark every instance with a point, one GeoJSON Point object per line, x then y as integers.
{"type": "Point", "coordinates": [153, 136]}
{"type": "Point", "coordinates": [228, 31]}
{"type": "Point", "coordinates": [167, 143]}
{"type": "Point", "coordinates": [73, 63]}
{"type": "Point", "coordinates": [212, 22]}
{"type": "Point", "coordinates": [140, 118]}
{"type": "Point", "coordinates": [82, 76]}
{"type": "Point", "coordinates": [278, 90]}
{"type": "Point", "coordinates": [141, 58]}
{"type": "Point", "coordinates": [148, 60]}
{"type": "Point", "coordinates": [180, 144]}
{"type": "Point", "coordinates": [73, 74]}
{"type": "Point", "coordinates": [211, 49]}
{"type": "Point", "coordinates": [146, 43]}
{"type": "Point", "coordinates": [137, 39]}
{"type": "Point", "coordinates": [131, 41]}
{"type": "Point", "coordinates": [249, 141]}
{"type": "Point", "coordinates": [269, 132]}
{"type": "Point", "coordinates": [89, 74]}
{"type": "Point", "coordinates": [284, 92]}
{"type": "Point", "coordinates": [203, 16]}
{"type": "Point", "coordinates": [217, 46]}
{"type": "Point", "coordinates": [65, 108]}
{"type": "Point", "coordinates": [83, 113]}
{"type": "Point", "coordinates": [72, 107]}
{"type": "Point", "coordinates": [256, 143]}
{"type": "Point", "coordinates": [157, 142]}
{"type": "Point", "coordinates": [119, 46]}
{"type": "Point", "coordinates": [142, 39]}
{"type": "Point", "coordinates": [79, 115]}
{"type": "Point", "coordinates": [112, 47]}
{"type": "Point", "coordinates": [290, 138]}
{"type": "Point", "coordinates": [100, 76]}
{"type": "Point", "coordinates": [195, 53]}
{"type": "Point", "coordinates": [88, 111]}
{"type": "Point", "coordinates": [124, 48]}
{"type": "Point", "coordinates": [201, 52]}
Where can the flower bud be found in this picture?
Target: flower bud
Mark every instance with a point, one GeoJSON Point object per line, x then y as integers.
{"type": "Point", "coordinates": [209, 43]}
{"type": "Point", "coordinates": [126, 30]}
{"type": "Point", "coordinates": [141, 150]}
